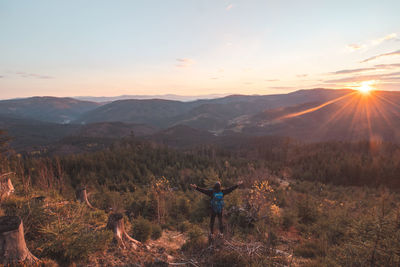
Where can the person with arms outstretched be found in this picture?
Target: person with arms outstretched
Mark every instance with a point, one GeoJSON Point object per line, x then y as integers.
{"type": "Point", "coordinates": [217, 203]}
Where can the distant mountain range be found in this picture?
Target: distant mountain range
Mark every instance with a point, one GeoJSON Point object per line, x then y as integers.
{"type": "Point", "coordinates": [104, 99]}
{"type": "Point", "coordinates": [309, 115]}
{"type": "Point", "coordinates": [49, 109]}
{"type": "Point", "coordinates": [213, 114]}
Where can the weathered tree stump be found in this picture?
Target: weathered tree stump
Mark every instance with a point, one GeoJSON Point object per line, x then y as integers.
{"type": "Point", "coordinates": [82, 197]}
{"type": "Point", "coordinates": [6, 186]}
{"type": "Point", "coordinates": [116, 224]}
{"type": "Point", "coordinates": [13, 248]}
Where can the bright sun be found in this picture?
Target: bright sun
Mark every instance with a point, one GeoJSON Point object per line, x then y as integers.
{"type": "Point", "coordinates": [366, 87]}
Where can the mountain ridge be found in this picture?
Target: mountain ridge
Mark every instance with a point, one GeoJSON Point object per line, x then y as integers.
{"type": "Point", "coordinates": [312, 115]}
{"type": "Point", "coordinates": [50, 109]}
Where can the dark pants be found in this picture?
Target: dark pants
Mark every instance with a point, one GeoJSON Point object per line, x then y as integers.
{"type": "Point", "coordinates": [212, 220]}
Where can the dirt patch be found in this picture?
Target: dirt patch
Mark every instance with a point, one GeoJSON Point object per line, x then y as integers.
{"type": "Point", "coordinates": [170, 240]}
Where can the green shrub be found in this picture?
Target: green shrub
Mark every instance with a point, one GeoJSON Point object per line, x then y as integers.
{"type": "Point", "coordinates": [74, 243]}
{"type": "Point", "coordinates": [156, 232]}
{"type": "Point", "coordinates": [107, 200]}
{"type": "Point", "coordinates": [33, 214]}
{"type": "Point", "coordinates": [96, 218]}
{"type": "Point", "coordinates": [309, 250]}
{"type": "Point", "coordinates": [72, 238]}
{"type": "Point", "coordinates": [48, 263]}
{"type": "Point", "coordinates": [288, 219]}
{"type": "Point", "coordinates": [183, 206]}
{"type": "Point", "coordinates": [280, 198]}
{"type": "Point", "coordinates": [141, 229]}
{"type": "Point", "coordinates": [307, 212]}
{"type": "Point", "coordinates": [272, 239]}
{"type": "Point", "coordinates": [184, 226]}
{"type": "Point", "coordinates": [240, 219]}
{"type": "Point", "coordinates": [229, 258]}
{"type": "Point", "coordinates": [195, 234]}
{"type": "Point", "coordinates": [200, 210]}
{"type": "Point", "coordinates": [196, 240]}
{"type": "Point", "coordinates": [335, 232]}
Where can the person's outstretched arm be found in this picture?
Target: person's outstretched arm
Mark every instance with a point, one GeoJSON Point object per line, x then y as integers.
{"type": "Point", "coordinates": [207, 192]}
{"type": "Point", "coordinates": [230, 189]}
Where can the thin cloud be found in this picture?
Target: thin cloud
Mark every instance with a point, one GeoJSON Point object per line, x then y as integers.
{"type": "Point", "coordinates": [352, 71]}
{"type": "Point", "coordinates": [272, 80]}
{"type": "Point", "coordinates": [376, 67]}
{"type": "Point", "coordinates": [32, 75]}
{"type": "Point", "coordinates": [184, 62]}
{"type": "Point", "coordinates": [355, 79]}
{"type": "Point", "coordinates": [354, 47]}
{"type": "Point", "coordinates": [394, 53]}
{"type": "Point", "coordinates": [387, 66]}
{"type": "Point", "coordinates": [301, 75]}
{"type": "Point", "coordinates": [41, 76]}
{"type": "Point", "coordinates": [385, 38]}
{"type": "Point", "coordinates": [360, 78]}
{"type": "Point", "coordinates": [229, 7]}
{"type": "Point", "coordinates": [391, 78]}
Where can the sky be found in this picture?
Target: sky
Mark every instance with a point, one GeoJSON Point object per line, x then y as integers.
{"type": "Point", "coordinates": [196, 47]}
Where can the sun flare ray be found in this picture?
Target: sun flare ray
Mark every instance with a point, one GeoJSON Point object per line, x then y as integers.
{"type": "Point", "coordinates": [296, 114]}
{"type": "Point", "coordinates": [337, 115]}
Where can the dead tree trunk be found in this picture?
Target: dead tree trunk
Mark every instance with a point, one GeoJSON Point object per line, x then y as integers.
{"type": "Point", "coordinates": [82, 197]}
{"type": "Point", "coordinates": [13, 248]}
{"type": "Point", "coordinates": [116, 224]}
{"type": "Point", "coordinates": [6, 186]}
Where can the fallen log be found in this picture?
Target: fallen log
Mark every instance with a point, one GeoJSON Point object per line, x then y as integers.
{"type": "Point", "coordinates": [13, 249]}
{"type": "Point", "coordinates": [116, 224]}
{"type": "Point", "coordinates": [82, 197]}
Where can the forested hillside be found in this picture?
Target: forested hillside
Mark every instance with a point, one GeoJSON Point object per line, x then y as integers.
{"type": "Point", "coordinates": [303, 204]}
{"type": "Point", "coordinates": [48, 109]}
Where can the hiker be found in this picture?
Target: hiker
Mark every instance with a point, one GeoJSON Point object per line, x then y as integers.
{"type": "Point", "coordinates": [217, 202]}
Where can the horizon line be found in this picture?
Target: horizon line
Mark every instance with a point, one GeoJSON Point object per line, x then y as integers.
{"type": "Point", "coordinates": [157, 96]}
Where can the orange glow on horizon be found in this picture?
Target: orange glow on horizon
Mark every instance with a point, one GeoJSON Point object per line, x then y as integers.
{"type": "Point", "coordinates": [360, 114]}
{"type": "Point", "coordinates": [366, 87]}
